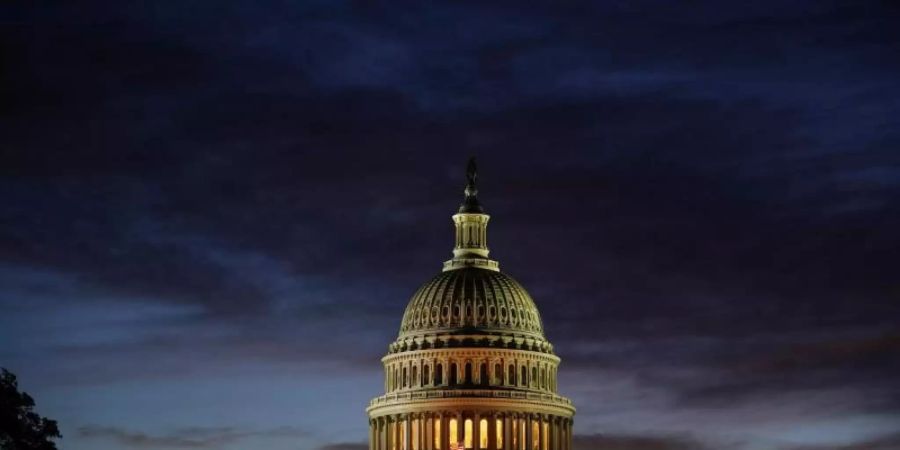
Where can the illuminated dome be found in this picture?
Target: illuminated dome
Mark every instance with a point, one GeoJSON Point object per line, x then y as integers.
{"type": "Point", "coordinates": [470, 368]}
{"type": "Point", "coordinates": [470, 298]}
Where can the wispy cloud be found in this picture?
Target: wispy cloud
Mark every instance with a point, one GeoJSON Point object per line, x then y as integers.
{"type": "Point", "coordinates": [344, 446]}
{"type": "Point", "coordinates": [634, 442]}
{"type": "Point", "coordinates": [195, 437]}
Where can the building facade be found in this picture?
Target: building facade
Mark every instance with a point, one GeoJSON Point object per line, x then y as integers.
{"type": "Point", "coordinates": [471, 367]}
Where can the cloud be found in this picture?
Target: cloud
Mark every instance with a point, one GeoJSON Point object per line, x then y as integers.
{"type": "Point", "coordinates": [634, 442]}
{"type": "Point", "coordinates": [699, 197]}
{"type": "Point", "coordinates": [886, 442]}
{"type": "Point", "coordinates": [825, 364]}
{"type": "Point", "coordinates": [344, 446]}
{"type": "Point", "coordinates": [195, 437]}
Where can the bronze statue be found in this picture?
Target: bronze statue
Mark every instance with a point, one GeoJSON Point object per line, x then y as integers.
{"type": "Point", "coordinates": [471, 205]}
{"type": "Point", "coordinates": [471, 171]}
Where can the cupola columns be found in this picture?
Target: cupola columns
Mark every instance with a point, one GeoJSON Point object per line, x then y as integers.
{"type": "Point", "coordinates": [471, 229]}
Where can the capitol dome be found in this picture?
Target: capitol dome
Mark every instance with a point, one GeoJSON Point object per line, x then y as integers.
{"type": "Point", "coordinates": [471, 367]}
{"type": "Point", "coordinates": [486, 300]}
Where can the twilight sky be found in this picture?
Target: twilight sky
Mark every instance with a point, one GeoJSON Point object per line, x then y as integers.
{"type": "Point", "coordinates": [214, 213]}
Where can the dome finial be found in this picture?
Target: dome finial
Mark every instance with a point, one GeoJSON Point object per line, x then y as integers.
{"type": "Point", "coordinates": [471, 205]}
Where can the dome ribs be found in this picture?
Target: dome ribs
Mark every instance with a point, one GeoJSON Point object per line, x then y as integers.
{"type": "Point", "coordinates": [497, 299]}
{"type": "Point", "coordinates": [472, 298]}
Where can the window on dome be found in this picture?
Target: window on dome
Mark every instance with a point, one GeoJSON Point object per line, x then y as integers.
{"type": "Point", "coordinates": [467, 442]}
{"type": "Point", "coordinates": [484, 374]}
{"type": "Point", "coordinates": [454, 432]}
{"type": "Point", "coordinates": [453, 374]}
{"type": "Point", "coordinates": [468, 373]}
{"type": "Point", "coordinates": [499, 428]}
{"type": "Point", "coordinates": [426, 375]}
{"type": "Point", "coordinates": [498, 374]}
{"type": "Point", "coordinates": [439, 374]}
{"type": "Point", "coordinates": [483, 434]}
{"type": "Point", "coordinates": [535, 436]}
{"type": "Point", "coordinates": [512, 375]}
{"type": "Point", "coordinates": [437, 434]}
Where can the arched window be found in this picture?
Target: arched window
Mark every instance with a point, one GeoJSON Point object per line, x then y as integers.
{"type": "Point", "coordinates": [468, 379]}
{"type": "Point", "coordinates": [524, 379]}
{"type": "Point", "coordinates": [534, 376]}
{"type": "Point", "coordinates": [439, 374]}
{"type": "Point", "coordinates": [483, 375]}
{"type": "Point", "coordinates": [452, 374]}
{"type": "Point", "coordinates": [498, 373]}
{"type": "Point", "coordinates": [467, 441]}
{"type": "Point", "coordinates": [405, 378]}
{"type": "Point", "coordinates": [437, 433]}
{"type": "Point", "coordinates": [499, 428]}
{"type": "Point", "coordinates": [512, 375]}
{"type": "Point", "coordinates": [426, 375]}
{"type": "Point", "coordinates": [453, 430]}
{"type": "Point", "coordinates": [396, 378]}
{"type": "Point", "coordinates": [483, 434]}
{"type": "Point", "coordinates": [415, 377]}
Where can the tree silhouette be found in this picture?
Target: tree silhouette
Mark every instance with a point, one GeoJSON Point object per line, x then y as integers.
{"type": "Point", "coordinates": [20, 427]}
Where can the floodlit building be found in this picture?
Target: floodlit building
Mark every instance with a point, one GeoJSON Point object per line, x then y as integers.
{"type": "Point", "coordinates": [471, 367]}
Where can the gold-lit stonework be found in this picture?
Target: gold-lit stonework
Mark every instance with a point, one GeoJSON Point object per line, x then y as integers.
{"type": "Point", "coordinates": [471, 367]}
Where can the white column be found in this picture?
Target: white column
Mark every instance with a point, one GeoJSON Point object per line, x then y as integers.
{"type": "Point", "coordinates": [408, 431]}
{"type": "Point", "coordinates": [541, 436]}
{"type": "Point", "coordinates": [529, 438]}
{"type": "Point", "coordinates": [389, 433]}
{"type": "Point", "coordinates": [429, 431]}
{"type": "Point", "coordinates": [507, 432]}
{"type": "Point", "coordinates": [476, 429]}
{"type": "Point", "coordinates": [445, 431]}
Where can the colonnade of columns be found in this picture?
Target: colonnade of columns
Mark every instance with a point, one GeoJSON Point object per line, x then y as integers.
{"type": "Point", "coordinates": [448, 371]}
{"type": "Point", "coordinates": [453, 430]}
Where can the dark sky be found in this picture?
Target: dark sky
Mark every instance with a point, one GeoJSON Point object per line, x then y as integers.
{"type": "Point", "coordinates": [214, 213]}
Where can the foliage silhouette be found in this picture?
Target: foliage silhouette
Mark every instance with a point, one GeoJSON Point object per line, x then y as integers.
{"type": "Point", "coordinates": [20, 427]}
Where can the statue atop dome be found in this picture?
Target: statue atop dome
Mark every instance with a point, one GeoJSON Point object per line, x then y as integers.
{"type": "Point", "coordinates": [471, 205]}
